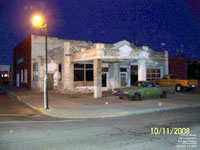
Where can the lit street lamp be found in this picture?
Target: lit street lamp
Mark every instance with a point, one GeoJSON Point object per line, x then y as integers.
{"type": "Point", "coordinates": [37, 22]}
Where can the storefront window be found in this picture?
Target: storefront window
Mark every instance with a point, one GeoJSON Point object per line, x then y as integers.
{"type": "Point", "coordinates": [89, 75]}
{"type": "Point", "coordinates": [153, 74]}
{"type": "Point", "coordinates": [83, 72]}
{"type": "Point", "coordinates": [78, 75]}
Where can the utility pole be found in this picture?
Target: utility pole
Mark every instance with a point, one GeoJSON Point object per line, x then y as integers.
{"type": "Point", "coordinates": [134, 39]}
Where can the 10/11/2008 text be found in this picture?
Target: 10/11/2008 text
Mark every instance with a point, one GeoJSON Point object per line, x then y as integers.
{"type": "Point", "coordinates": [170, 131]}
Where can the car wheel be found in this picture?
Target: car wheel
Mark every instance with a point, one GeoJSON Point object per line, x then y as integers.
{"type": "Point", "coordinates": [137, 97]}
{"type": "Point", "coordinates": [179, 88]}
{"type": "Point", "coordinates": [164, 94]}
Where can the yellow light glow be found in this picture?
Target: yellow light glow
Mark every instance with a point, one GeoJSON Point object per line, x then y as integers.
{"type": "Point", "coordinates": [37, 20]}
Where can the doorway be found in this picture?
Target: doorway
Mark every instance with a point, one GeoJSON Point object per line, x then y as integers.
{"type": "Point", "coordinates": [134, 75]}
{"type": "Point", "coordinates": [104, 79]}
{"type": "Point", "coordinates": [134, 78]}
{"type": "Point", "coordinates": [123, 78]}
{"type": "Point", "coordinates": [50, 81]}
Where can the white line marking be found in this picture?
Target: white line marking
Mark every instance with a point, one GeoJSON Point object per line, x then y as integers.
{"type": "Point", "coordinates": [25, 122]}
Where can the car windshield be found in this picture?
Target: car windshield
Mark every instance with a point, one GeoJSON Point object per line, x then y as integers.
{"type": "Point", "coordinates": [142, 84]}
{"type": "Point", "coordinates": [173, 77]}
{"type": "Point", "coordinates": [146, 84]}
{"type": "Point", "coordinates": [165, 77]}
{"type": "Point", "coordinates": [151, 84]}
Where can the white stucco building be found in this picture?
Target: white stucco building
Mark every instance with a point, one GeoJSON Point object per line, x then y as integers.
{"type": "Point", "coordinates": [81, 66]}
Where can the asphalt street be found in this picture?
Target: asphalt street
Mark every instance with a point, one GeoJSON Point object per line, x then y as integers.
{"type": "Point", "coordinates": [30, 132]}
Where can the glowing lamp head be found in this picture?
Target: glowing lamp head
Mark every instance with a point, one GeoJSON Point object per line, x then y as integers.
{"type": "Point", "coordinates": [37, 21]}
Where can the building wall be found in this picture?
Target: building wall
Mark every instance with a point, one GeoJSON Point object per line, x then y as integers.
{"type": "Point", "coordinates": [55, 48]}
{"type": "Point", "coordinates": [178, 66]}
{"type": "Point", "coordinates": [38, 50]}
{"type": "Point", "coordinates": [194, 69]}
{"type": "Point", "coordinates": [38, 45]}
{"type": "Point", "coordinates": [22, 61]}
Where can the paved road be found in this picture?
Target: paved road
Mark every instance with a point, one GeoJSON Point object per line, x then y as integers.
{"type": "Point", "coordinates": [122, 133]}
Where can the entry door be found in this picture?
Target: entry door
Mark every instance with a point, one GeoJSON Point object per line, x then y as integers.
{"type": "Point", "coordinates": [134, 77]}
{"type": "Point", "coordinates": [104, 79]}
{"type": "Point", "coordinates": [50, 81]}
{"type": "Point", "coordinates": [134, 74]}
{"type": "Point", "coordinates": [123, 77]}
{"type": "Point", "coordinates": [17, 79]}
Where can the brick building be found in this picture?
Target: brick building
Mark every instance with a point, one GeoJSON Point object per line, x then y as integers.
{"type": "Point", "coordinates": [81, 66]}
{"type": "Point", "coordinates": [178, 66]}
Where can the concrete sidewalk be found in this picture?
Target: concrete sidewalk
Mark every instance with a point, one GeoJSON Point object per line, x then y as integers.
{"type": "Point", "coordinates": [85, 106]}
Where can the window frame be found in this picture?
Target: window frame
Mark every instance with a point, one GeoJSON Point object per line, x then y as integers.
{"type": "Point", "coordinates": [25, 75]}
{"type": "Point", "coordinates": [153, 73]}
{"type": "Point", "coordinates": [22, 76]}
{"type": "Point", "coordinates": [83, 67]}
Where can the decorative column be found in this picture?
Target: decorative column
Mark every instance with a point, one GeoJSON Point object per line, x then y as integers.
{"type": "Point", "coordinates": [68, 69]}
{"type": "Point", "coordinates": [97, 74]}
{"type": "Point", "coordinates": [116, 75]}
{"type": "Point", "coordinates": [129, 75]}
{"type": "Point", "coordinates": [142, 71]}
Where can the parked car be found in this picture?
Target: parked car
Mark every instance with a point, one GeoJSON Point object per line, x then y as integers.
{"type": "Point", "coordinates": [179, 84]}
{"type": "Point", "coordinates": [144, 89]}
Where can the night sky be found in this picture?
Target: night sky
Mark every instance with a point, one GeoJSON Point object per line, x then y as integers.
{"type": "Point", "coordinates": [172, 25]}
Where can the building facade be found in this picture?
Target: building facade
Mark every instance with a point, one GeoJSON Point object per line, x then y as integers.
{"type": "Point", "coordinates": [178, 66]}
{"type": "Point", "coordinates": [81, 66]}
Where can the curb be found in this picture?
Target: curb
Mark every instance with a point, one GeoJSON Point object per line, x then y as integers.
{"type": "Point", "coordinates": [161, 109]}
{"type": "Point", "coordinates": [120, 114]}
{"type": "Point", "coordinates": [129, 113]}
{"type": "Point", "coordinates": [10, 94]}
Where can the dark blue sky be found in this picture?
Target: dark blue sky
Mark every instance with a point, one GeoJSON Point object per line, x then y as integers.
{"type": "Point", "coordinates": [172, 25]}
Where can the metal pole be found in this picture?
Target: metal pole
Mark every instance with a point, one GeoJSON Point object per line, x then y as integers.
{"type": "Point", "coordinates": [46, 73]}
{"type": "Point", "coordinates": [134, 39]}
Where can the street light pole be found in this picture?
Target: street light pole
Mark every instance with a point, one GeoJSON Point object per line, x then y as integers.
{"type": "Point", "coordinates": [37, 22]}
{"type": "Point", "coordinates": [46, 73]}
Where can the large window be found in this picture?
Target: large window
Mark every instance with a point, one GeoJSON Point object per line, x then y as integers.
{"type": "Point", "coordinates": [22, 76]}
{"type": "Point", "coordinates": [78, 75]}
{"type": "Point", "coordinates": [153, 74]}
{"type": "Point", "coordinates": [83, 72]}
{"type": "Point", "coordinates": [25, 76]}
{"type": "Point", "coordinates": [89, 72]}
